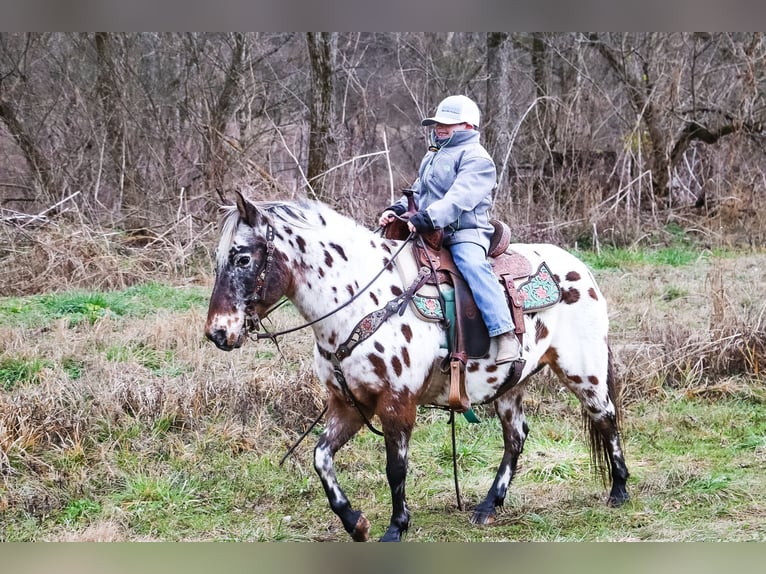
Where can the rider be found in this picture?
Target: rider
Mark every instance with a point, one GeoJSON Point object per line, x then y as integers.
{"type": "Point", "coordinates": [453, 192]}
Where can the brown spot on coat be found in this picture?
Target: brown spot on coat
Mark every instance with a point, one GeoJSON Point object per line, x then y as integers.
{"type": "Point", "coordinates": [593, 294]}
{"type": "Point", "coordinates": [576, 379]}
{"type": "Point", "coordinates": [570, 296]}
{"type": "Point", "coordinates": [374, 298]}
{"type": "Point", "coordinates": [407, 332]}
{"type": "Point", "coordinates": [472, 367]}
{"type": "Point", "coordinates": [491, 368]}
{"type": "Point", "coordinates": [573, 276]}
{"type": "Point", "coordinates": [396, 290]}
{"type": "Point", "coordinates": [327, 258]}
{"type": "Point", "coordinates": [593, 380]}
{"type": "Point", "coordinates": [378, 365]}
{"type": "Point", "coordinates": [301, 243]}
{"type": "Point", "coordinates": [378, 347]}
{"type": "Point", "coordinates": [541, 331]}
{"type": "Point", "coordinates": [406, 356]}
{"type": "Point", "coordinates": [340, 250]}
{"type": "Point", "coordinates": [397, 365]}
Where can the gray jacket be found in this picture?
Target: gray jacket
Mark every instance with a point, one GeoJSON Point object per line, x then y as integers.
{"type": "Point", "coordinates": [454, 187]}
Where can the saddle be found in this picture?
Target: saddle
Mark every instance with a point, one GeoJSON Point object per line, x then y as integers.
{"type": "Point", "coordinates": [446, 297]}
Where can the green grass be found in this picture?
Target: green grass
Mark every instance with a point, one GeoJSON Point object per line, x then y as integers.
{"type": "Point", "coordinates": [80, 510]}
{"type": "Point", "coordinates": [17, 371]}
{"type": "Point", "coordinates": [159, 362]}
{"type": "Point", "coordinates": [693, 478]}
{"type": "Point", "coordinates": [79, 307]}
{"type": "Point", "coordinates": [621, 258]}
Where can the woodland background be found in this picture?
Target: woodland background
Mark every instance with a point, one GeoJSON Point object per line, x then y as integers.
{"type": "Point", "coordinates": [641, 153]}
{"type": "Point", "coordinates": [598, 137]}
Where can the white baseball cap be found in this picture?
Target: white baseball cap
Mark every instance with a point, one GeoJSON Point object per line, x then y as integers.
{"type": "Point", "coordinates": [455, 110]}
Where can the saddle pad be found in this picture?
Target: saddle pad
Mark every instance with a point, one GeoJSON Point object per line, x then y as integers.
{"type": "Point", "coordinates": [428, 307]}
{"type": "Point", "coordinates": [539, 291]}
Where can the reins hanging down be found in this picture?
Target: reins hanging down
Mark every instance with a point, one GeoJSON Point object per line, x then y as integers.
{"type": "Point", "coordinates": [364, 329]}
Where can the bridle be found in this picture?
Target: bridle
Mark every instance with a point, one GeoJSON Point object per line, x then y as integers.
{"type": "Point", "coordinates": [260, 279]}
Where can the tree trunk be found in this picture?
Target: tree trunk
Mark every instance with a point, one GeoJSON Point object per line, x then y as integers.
{"type": "Point", "coordinates": [496, 124]}
{"type": "Point", "coordinates": [108, 94]}
{"type": "Point", "coordinates": [216, 153]}
{"type": "Point", "coordinates": [322, 48]}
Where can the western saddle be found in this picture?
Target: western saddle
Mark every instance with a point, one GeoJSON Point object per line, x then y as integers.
{"type": "Point", "coordinates": [471, 338]}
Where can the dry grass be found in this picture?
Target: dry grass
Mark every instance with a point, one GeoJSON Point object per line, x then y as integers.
{"type": "Point", "coordinates": [699, 327]}
{"type": "Point", "coordinates": [65, 255]}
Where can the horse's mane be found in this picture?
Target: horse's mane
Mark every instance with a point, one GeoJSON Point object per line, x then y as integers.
{"type": "Point", "coordinates": [303, 213]}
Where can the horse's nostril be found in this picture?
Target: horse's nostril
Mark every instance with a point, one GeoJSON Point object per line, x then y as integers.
{"type": "Point", "coordinates": [218, 336]}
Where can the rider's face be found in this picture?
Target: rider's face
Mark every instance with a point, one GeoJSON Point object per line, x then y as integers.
{"type": "Point", "coordinates": [444, 131]}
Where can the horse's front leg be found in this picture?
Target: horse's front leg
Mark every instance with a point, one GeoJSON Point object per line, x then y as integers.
{"type": "Point", "coordinates": [510, 411]}
{"type": "Point", "coordinates": [343, 422]}
{"type": "Point", "coordinates": [397, 417]}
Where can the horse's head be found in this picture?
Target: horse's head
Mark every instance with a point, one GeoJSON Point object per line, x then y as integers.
{"type": "Point", "coordinates": [251, 275]}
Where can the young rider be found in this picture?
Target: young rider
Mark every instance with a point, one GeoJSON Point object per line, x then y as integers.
{"type": "Point", "coordinates": [453, 192]}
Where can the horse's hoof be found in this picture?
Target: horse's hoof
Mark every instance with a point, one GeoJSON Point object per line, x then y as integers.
{"type": "Point", "coordinates": [361, 531]}
{"type": "Point", "coordinates": [617, 499]}
{"type": "Point", "coordinates": [483, 517]}
{"type": "Point", "coordinates": [393, 534]}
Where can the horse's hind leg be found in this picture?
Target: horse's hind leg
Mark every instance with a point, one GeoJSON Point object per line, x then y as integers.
{"type": "Point", "coordinates": [510, 411]}
{"type": "Point", "coordinates": [343, 422]}
{"type": "Point", "coordinates": [598, 396]}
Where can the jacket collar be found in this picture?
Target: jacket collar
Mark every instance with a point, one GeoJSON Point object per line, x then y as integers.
{"type": "Point", "coordinates": [457, 138]}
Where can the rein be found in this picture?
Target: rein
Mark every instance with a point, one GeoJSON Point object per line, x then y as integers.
{"type": "Point", "coordinates": [261, 280]}
{"type": "Point", "coordinates": [366, 327]}
{"type": "Point", "coordinates": [357, 335]}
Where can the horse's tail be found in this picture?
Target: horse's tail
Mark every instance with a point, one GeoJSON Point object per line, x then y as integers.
{"type": "Point", "coordinates": [599, 447]}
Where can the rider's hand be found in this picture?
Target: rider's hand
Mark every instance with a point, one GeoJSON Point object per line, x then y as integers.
{"type": "Point", "coordinates": [421, 222]}
{"type": "Point", "coordinates": [386, 217]}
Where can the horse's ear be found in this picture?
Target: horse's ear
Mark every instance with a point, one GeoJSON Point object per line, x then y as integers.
{"type": "Point", "coordinates": [247, 210]}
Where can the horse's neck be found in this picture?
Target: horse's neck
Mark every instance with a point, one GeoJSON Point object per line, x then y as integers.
{"type": "Point", "coordinates": [331, 272]}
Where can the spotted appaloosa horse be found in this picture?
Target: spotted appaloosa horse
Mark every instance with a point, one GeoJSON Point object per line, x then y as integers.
{"type": "Point", "coordinates": [339, 272]}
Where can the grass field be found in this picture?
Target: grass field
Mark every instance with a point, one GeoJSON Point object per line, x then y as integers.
{"type": "Point", "coordinates": [119, 422]}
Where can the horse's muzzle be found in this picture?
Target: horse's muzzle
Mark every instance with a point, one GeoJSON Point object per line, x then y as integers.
{"type": "Point", "coordinates": [222, 340]}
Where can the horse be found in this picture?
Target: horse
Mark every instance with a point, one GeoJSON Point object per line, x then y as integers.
{"type": "Point", "coordinates": [376, 358]}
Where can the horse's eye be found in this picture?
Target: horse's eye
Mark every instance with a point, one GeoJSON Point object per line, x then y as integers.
{"type": "Point", "coordinates": [242, 261]}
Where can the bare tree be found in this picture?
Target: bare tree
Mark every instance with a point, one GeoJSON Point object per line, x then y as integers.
{"type": "Point", "coordinates": [322, 50]}
{"type": "Point", "coordinates": [497, 123]}
{"type": "Point", "coordinates": [13, 71]}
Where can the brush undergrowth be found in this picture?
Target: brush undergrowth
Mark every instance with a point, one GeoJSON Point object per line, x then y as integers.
{"type": "Point", "coordinates": [118, 421]}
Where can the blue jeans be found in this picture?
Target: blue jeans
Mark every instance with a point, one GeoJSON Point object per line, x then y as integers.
{"type": "Point", "coordinates": [471, 260]}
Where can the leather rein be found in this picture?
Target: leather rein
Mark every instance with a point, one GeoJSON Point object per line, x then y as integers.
{"type": "Point", "coordinates": [260, 284]}
{"type": "Point", "coordinates": [361, 331]}
{"type": "Point", "coordinates": [358, 334]}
